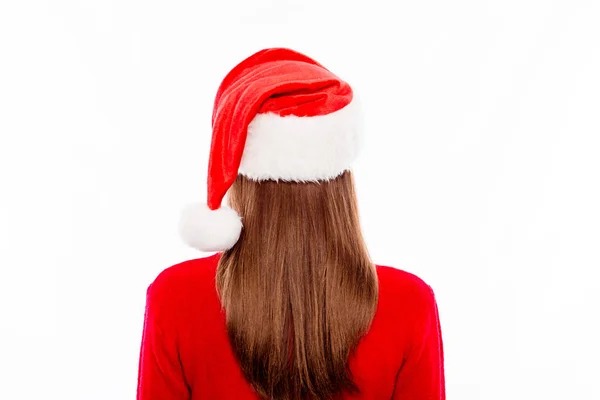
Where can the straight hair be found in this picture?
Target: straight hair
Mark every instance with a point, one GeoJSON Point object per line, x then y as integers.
{"type": "Point", "coordinates": [298, 289]}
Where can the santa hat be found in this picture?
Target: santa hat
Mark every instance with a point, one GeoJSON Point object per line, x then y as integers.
{"type": "Point", "coordinates": [278, 115]}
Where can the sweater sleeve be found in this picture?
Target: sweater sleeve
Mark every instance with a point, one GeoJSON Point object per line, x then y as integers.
{"type": "Point", "coordinates": [421, 376]}
{"type": "Point", "coordinates": [160, 374]}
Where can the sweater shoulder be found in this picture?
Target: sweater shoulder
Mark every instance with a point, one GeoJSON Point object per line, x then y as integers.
{"type": "Point", "coordinates": [400, 278]}
{"type": "Point", "coordinates": [404, 291]}
{"type": "Point", "coordinates": [174, 281]}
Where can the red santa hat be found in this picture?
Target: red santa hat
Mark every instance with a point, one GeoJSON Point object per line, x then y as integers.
{"type": "Point", "coordinates": [278, 115]}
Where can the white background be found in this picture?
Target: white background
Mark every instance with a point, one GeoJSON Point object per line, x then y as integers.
{"type": "Point", "coordinates": [480, 174]}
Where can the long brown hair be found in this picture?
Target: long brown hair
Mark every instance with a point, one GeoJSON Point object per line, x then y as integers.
{"type": "Point", "coordinates": [298, 288]}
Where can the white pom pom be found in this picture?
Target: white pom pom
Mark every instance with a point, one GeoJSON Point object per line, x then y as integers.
{"type": "Point", "coordinates": [209, 230]}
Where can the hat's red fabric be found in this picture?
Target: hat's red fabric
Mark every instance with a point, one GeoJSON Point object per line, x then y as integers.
{"type": "Point", "coordinates": [280, 81]}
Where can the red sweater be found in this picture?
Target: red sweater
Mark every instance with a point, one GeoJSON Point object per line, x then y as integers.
{"type": "Point", "coordinates": [185, 353]}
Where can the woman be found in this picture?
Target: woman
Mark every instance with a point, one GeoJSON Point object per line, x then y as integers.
{"type": "Point", "coordinates": [290, 306]}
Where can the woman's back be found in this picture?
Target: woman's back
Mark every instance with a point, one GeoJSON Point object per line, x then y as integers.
{"type": "Point", "coordinates": [292, 306]}
{"type": "Point", "coordinates": [186, 353]}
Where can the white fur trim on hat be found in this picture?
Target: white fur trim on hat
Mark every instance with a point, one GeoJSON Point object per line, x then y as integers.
{"type": "Point", "coordinates": [209, 230]}
{"type": "Point", "coordinates": [302, 149]}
